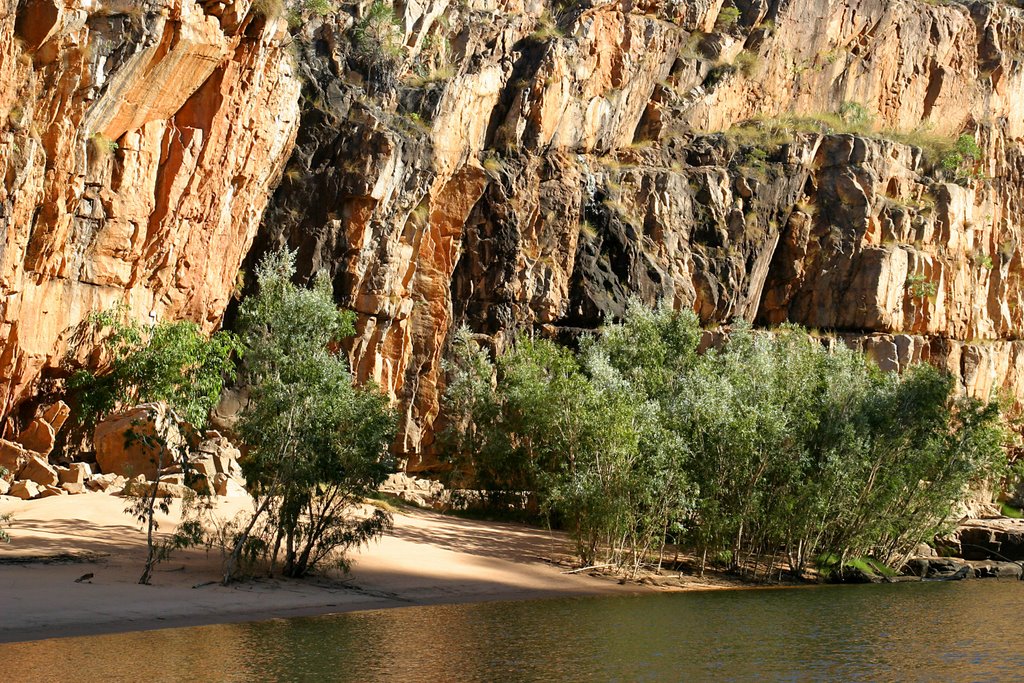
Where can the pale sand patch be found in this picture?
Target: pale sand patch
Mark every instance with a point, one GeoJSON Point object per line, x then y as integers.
{"type": "Point", "coordinates": [428, 558]}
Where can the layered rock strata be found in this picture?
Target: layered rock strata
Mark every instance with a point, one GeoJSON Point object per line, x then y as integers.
{"type": "Point", "coordinates": [139, 142]}
{"type": "Point", "coordinates": [533, 166]}
{"type": "Point", "coordinates": [517, 165]}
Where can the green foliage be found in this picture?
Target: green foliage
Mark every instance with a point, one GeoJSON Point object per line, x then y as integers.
{"type": "Point", "coordinates": [318, 7]}
{"type": "Point", "coordinates": [963, 158]}
{"type": "Point", "coordinates": [377, 39]}
{"type": "Point", "coordinates": [855, 115]}
{"type": "Point", "coordinates": [771, 444]}
{"type": "Point", "coordinates": [6, 520]}
{"type": "Point", "coordinates": [728, 17]}
{"type": "Point", "coordinates": [1008, 510]}
{"type": "Point", "coordinates": [576, 433]}
{"type": "Point", "coordinates": [982, 260]}
{"type": "Point", "coordinates": [317, 444]}
{"type": "Point", "coordinates": [169, 361]}
{"type": "Point", "coordinates": [920, 287]}
{"type": "Point", "coordinates": [547, 28]}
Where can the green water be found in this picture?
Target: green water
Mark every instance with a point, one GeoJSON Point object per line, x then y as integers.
{"type": "Point", "coordinates": [966, 631]}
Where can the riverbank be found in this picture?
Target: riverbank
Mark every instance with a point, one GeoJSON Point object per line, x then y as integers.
{"type": "Point", "coordinates": [427, 559]}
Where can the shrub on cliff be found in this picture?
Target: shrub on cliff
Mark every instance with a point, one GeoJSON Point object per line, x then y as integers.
{"type": "Point", "coordinates": [377, 39]}
{"type": "Point", "coordinates": [962, 158]}
{"type": "Point", "coordinates": [317, 443]}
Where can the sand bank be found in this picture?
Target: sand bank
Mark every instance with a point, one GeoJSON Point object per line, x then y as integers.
{"type": "Point", "coordinates": [427, 559]}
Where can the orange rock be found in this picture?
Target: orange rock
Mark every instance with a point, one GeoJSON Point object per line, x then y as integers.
{"type": "Point", "coordinates": [26, 490]}
{"type": "Point", "coordinates": [143, 149]}
{"type": "Point", "coordinates": [56, 414]}
{"type": "Point", "coordinates": [39, 471]}
{"type": "Point", "coordinates": [39, 436]}
{"type": "Point", "coordinates": [73, 488]}
{"type": "Point", "coordinates": [12, 459]}
{"type": "Point", "coordinates": [75, 473]}
{"type": "Point", "coordinates": [140, 441]}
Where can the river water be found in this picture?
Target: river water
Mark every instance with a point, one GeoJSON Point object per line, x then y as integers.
{"type": "Point", "coordinates": [964, 631]}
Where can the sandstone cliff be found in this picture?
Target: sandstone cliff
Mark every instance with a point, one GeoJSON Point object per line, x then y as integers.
{"type": "Point", "coordinates": [522, 164]}
{"type": "Point", "coordinates": [139, 142]}
{"type": "Point", "coordinates": [535, 165]}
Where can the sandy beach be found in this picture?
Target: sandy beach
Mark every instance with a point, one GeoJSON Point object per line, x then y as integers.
{"type": "Point", "coordinates": [428, 558]}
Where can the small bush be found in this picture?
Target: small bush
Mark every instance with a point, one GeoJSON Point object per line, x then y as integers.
{"type": "Point", "coordinates": [271, 9]}
{"type": "Point", "coordinates": [855, 115]}
{"type": "Point", "coordinates": [101, 145]}
{"type": "Point", "coordinates": [547, 28]}
{"type": "Point", "coordinates": [920, 287]}
{"type": "Point", "coordinates": [727, 18]}
{"type": "Point", "coordinates": [318, 7]}
{"type": "Point", "coordinates": [748, 63]}
{"type": "Point", "coordinates": [377, 39]}
{"type": "Point", "coordinates": [982, 260]}
{"type": "Point", "coordinates": [963, 158]}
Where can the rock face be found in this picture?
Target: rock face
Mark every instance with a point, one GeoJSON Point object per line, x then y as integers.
{"type": "Point", "coordinates": [142, 441]}
{"type": "Point", "coordinates": [530, 166]}
{"type": "Point", "coordinates": [518, 165]}
{"type": "Point", "coordinates": [139, 142]}
{"type": "Point", "coordinates": [987, 539]}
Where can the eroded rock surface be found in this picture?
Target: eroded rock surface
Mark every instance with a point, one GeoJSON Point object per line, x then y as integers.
{"type": "Point", "coordinates": [139, 142]}
{"type": "Point", "coordinates": [516, 164]}
{"type": "Point", "coordinates": [544, 165]}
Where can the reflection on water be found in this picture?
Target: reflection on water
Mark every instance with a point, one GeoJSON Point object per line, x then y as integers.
{"type": "Point", "coordinates": [930, 631]}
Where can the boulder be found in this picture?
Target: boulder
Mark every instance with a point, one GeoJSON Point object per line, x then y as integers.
{"type": "Point", "coordinates": [5, 486]}
{"type": "Point", "coordinates": [204, 467]}
{"type": "Point", "coordinates": [938, 568]}
{"type": "Point", "coordinates": [56, 414]}
{"type": "Point", "coordinates": [141, 440]}
{"type": "Point", "coordinates": [416, 491]}
{"type": "Point", "coordinates": [166, 489]}
{"type": "Point", "coordinates": [997, 570]}
{"type": "Point", "coordinates": [39, 471]}
{"type": "Point", "coordinates": [222, 453]}
{"type": "Point", "coordinates": [41, 433]}
{"type": "Point", "coordinates": [924, 550]}
{"type": "Point", "coordinates": [48, 491]}
{"type": "Point", "coordinates": [13, 457]}
{"type": "Point", "coordinates": [225, 414]}
{"type": "Point", "coordinates": [176, 479]}
{"type": "Point", "coordinates": [74, 488]}
{"type": "Point", "coordinates": [1000, 539]}
{"type": "Point", "coordinates": [39, 436]}
{"type": "Point", "coordinates": [74, 473]}
{"type": "Point", "coordinates": [103, 482]}
{"type": "Point", "coordinates": [216, 461]}
{"type": "Point", "coordinates": [223, 485]}
{"type": "Point", "coordinates": [26, 490]}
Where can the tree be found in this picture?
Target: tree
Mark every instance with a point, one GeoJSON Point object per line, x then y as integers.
{"type": "Point", "coordinates": [317, 443]}
{"type": "Point", "coordinates": [772, 446]}
{"type": "Point", "coordinates": [580, 437]}
{"type": "Point", "coordinates": [169, 362]}
{"type": "Point", "coordinates": [172, 362]}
